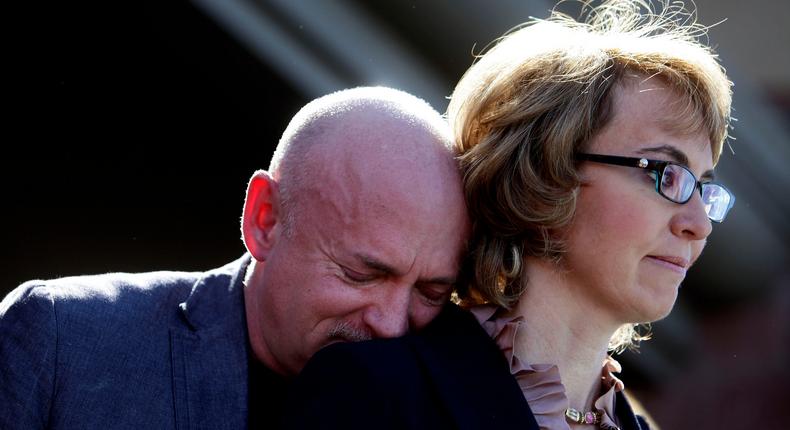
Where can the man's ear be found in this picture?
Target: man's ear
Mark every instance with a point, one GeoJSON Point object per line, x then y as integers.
{"type": "Point", "coordinates": [261, 215]}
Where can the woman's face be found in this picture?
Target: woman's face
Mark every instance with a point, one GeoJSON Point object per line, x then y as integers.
{"type": "Point", "coordinates": [629, 247]}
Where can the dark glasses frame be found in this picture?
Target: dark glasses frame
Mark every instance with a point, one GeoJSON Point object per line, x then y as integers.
{"type": "Point", "coordinates": [659, 166]}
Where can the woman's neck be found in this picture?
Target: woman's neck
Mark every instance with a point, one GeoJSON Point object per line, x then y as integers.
{"type": "Point", "coordinates": [563, 326]}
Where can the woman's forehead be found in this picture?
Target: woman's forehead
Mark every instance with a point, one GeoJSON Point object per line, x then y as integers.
{"type": "Point", "coordinates": [672, 110]}
{"type": "Point", "coordinates": [644, 117]}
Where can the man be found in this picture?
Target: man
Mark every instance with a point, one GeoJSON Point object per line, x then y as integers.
{"type": "Point", "coordinates": [356, 231]}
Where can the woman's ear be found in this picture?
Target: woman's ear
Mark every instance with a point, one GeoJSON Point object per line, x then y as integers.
{"type": "Point", "coordinates": [261, 215]}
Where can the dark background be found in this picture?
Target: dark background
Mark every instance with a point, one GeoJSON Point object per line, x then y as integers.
{"type": "Point", "coordinates": [138, 131]}
{"type": "Point", "coordinates": [131, 130]}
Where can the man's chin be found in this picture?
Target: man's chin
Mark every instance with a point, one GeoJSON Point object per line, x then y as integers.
{"type": "Point", "coordinates": [334, 341]}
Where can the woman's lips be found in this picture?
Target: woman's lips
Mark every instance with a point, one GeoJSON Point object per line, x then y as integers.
{"type": "Point", "coordinates": [676, 264]}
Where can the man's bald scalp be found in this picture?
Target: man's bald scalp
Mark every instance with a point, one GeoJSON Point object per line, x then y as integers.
{"type": "Point", "coordinates": [333, 110]}
{"type": "Point", "coordinates": [364, 120]}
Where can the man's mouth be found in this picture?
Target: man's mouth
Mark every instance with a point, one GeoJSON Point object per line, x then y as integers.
{"type": "Point", "coordinates": [347, 332]}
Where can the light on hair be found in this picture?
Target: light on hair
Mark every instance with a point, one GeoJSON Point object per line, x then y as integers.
{"type": "Point", "coordinates": [537, 96]}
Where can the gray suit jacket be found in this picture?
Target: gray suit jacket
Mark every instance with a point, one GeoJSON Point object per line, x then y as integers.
{"type": "Point", "coordinates": [126, 351]}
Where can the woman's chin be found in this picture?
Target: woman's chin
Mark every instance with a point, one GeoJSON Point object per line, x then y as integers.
{"type": "Point", "coordinates": [659, 310]}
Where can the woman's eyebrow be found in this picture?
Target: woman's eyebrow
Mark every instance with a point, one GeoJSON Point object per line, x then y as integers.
{"type": "Point", "coordinates": [677, 156]}
{"type": "Point", "coordinates": [707, 176]}
{"type": "Point", "coordinates": [674, 153]}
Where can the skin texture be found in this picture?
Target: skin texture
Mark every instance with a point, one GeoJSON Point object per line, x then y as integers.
{"type": "Point", "coordinates": [628, 247]}
{"type": "Point", "coordinates": [378, 228]}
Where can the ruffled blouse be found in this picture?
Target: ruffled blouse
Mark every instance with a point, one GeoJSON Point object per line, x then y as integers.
{"type": "Point", "coordinates": [540, 383]}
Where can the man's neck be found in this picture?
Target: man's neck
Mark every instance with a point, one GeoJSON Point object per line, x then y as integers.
{"type": "Point", "coordinates": [253, 317]}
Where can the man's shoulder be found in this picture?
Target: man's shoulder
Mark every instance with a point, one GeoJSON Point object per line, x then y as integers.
{"type": "Point", "coordinates": [91, 343]}
{"type": "Point", "coordinates": [118, 290]}
{"type": "Point", "coordinates": [100, 313]}
{"type": "Point", "coordinates": [136, 302]}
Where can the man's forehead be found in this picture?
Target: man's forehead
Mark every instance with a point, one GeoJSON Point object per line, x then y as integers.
{"type": "Point", "coordinates": [394, 200]}
{"type": "Point", "coordinates": [386, 181]}
{"type": "Point", "coordinates": [380, 160]}
{"type": "Point", "coordinates": [355, 189]}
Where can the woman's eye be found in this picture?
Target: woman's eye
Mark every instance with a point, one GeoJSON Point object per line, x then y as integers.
{"type": "Point", "coordinates": [668, 181]}
{"type": "Point", "coordinates": [653, 175]}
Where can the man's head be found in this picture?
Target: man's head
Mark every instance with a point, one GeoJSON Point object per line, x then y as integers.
{"type": "Point", "coordinates": [357, 229]}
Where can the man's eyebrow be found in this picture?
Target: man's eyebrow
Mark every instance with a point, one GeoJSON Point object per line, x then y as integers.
{"type": "Point", "coordinates": [677, 156]}
{"type": "Point", "coordinates": [442, 280]}
{"type": "Point", "coordinates": [379, 266]}
{"type": "Point", "coordinates": [376, 264]}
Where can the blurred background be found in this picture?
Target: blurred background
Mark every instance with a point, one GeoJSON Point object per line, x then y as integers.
{"type": "Point", "coordinates": [132, 128]}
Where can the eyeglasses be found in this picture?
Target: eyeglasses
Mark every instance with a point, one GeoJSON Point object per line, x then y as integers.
{"type": "Point", "coordinates": [676, 183]}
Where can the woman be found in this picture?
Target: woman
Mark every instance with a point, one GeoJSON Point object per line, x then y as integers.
{"type": "Point", "coordinates": [588, 153]}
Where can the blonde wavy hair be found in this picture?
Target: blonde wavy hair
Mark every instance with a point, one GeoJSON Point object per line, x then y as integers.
{"type": "Point", "coordinates": [535, 99]}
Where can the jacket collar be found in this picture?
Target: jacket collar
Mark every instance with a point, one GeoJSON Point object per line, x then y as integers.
{"type": "Point", "coordinates": [473, 378]}
{"type": "Point", "coordinates": [215, 297]}
{"type": "Point", "coordinates": [470, 373]}
{"type": "Point", "coordinates": [626, 417]}
{"type": "Point", "coordinates": [210, 352]}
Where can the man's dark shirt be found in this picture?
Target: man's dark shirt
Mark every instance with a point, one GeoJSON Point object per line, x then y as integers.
{"type": "Point", "coordinates": [267, 393]}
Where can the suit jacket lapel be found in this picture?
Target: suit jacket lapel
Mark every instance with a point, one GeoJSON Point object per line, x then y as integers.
{"type": "Point", "coordinates": [210, 353]}
{"type": "Point", "coordinates": [470, 373]}
{"type": "Point", "coordinates": [625, 414]}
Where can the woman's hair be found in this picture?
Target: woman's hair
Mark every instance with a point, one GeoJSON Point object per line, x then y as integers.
{"type": "Point", "coordinates": [537, 97]}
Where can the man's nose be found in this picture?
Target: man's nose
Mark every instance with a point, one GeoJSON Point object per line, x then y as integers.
{"type": "Point", "coordinates": [388, 314]}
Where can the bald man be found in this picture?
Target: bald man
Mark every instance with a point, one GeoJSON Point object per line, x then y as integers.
{"type": "Point", "coordinates": [356, 231]}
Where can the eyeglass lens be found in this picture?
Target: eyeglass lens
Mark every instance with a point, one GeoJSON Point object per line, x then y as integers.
{"type": "Point", "coordinates": [716, 200]}
{"type": "Point", "coordinates": [678, 184]}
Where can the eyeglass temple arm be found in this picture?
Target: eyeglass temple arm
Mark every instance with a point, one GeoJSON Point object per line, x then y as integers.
{"type": "Point", "coordinates": [641, 163]}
